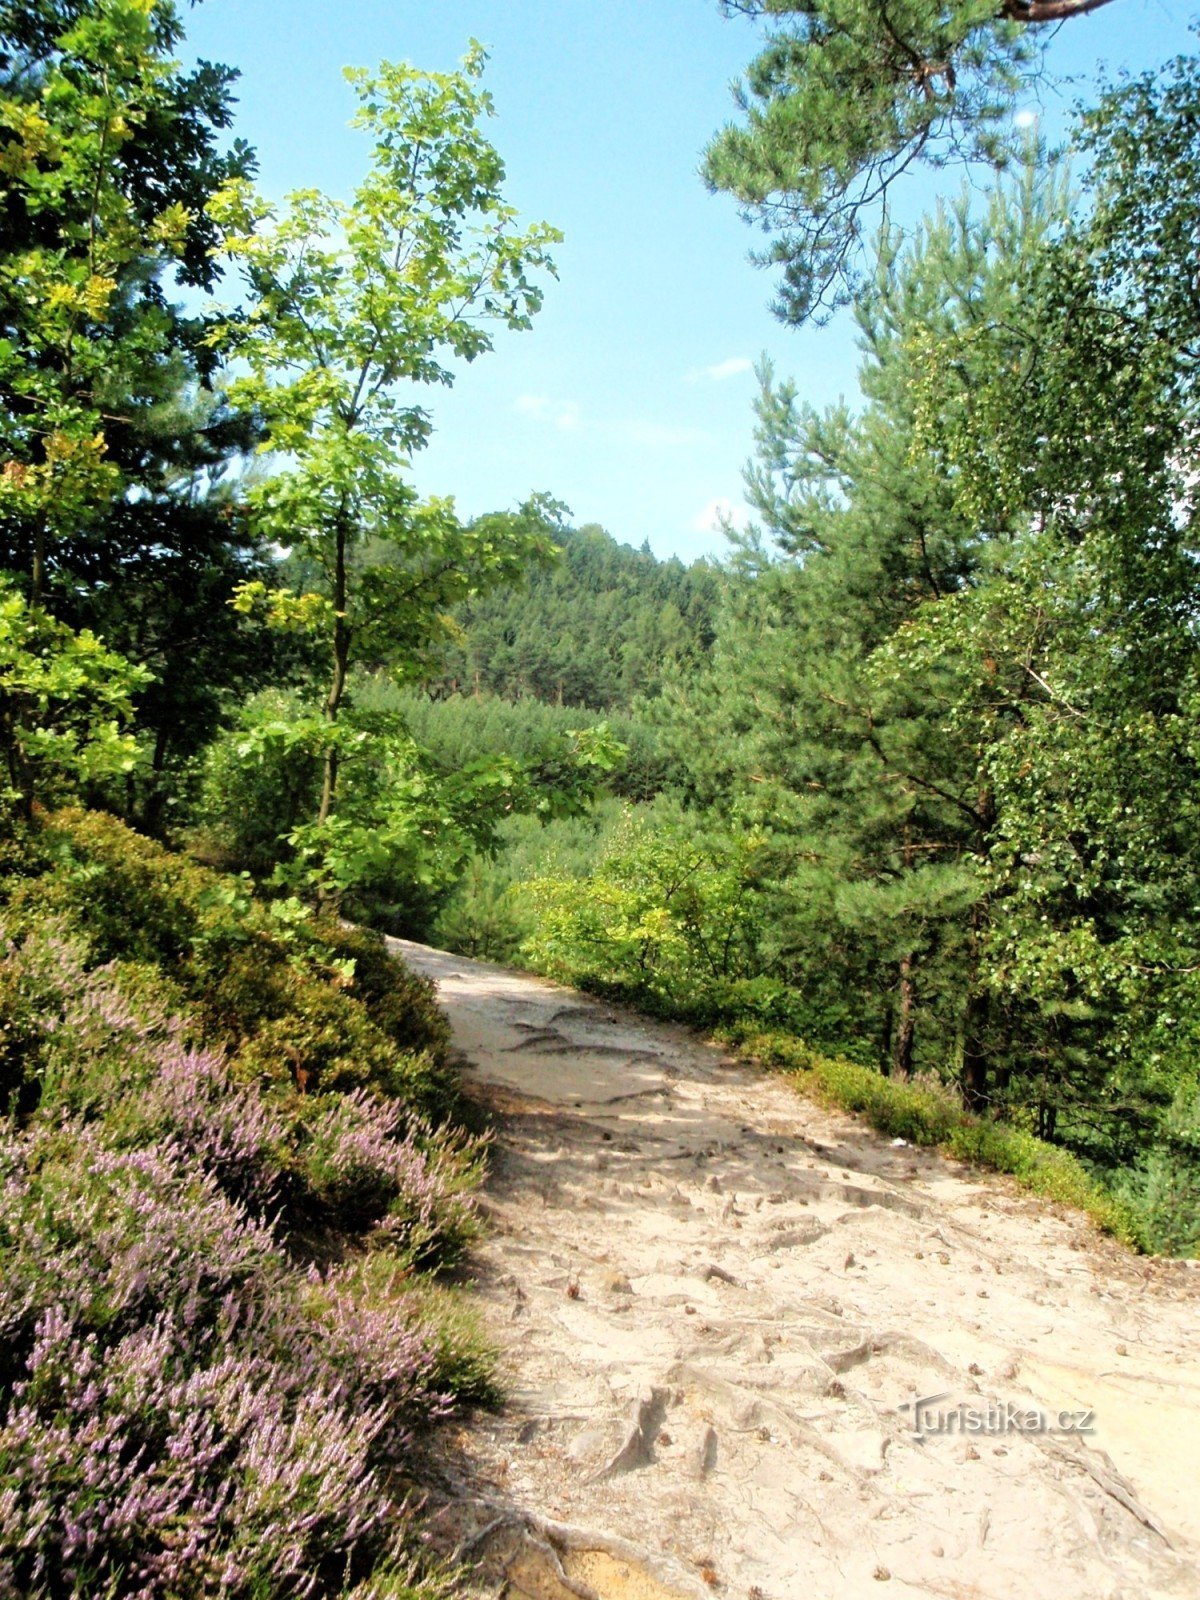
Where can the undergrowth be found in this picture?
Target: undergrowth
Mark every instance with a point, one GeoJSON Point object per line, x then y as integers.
{"type": "Point", "coordinates": [230, 1171]}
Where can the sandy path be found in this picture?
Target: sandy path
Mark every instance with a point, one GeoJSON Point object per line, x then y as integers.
{"type": "Point", "coordinates": [714, 1298]}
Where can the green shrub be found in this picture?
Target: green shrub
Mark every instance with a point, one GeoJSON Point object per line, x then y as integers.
{"type": "Point", "coordinates": [490, 914]}
{"type": "Point", "coordinates": [667, 911]}
{"type": "Point", "coordinates": [396, 999]}
{"type": "Point", "coordinates": [466, 1360]}
{"type": "Point", "coordinates": [252, 789]}
{"type": "Point", "coordinates": [1163, 1191]}
{"type": "Point", "coordinates": [127, 897]}
{"type": "Point", "coordinates": [294, 1000]}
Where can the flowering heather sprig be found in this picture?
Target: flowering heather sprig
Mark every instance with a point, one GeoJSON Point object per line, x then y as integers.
{"type": "Point", "coordinates": [355, 1161]}
{"type": "Point", "coordinates": [110, 1054]}
{"type": "Point", "coordinates": [232, 1131]}
{"type": "Point", "coordinates": [415, 1185]}
{"type": "Point", "coordinates": [96, 1041]}
{"type": "Point", "coordinates": [52, 966]}
{"type": "Point", "coordinates": [121, 1237]}
{"type": "Point", "coordinates": [382, 1362]}
{"type": "Point", "coordinates": [125, 1469]}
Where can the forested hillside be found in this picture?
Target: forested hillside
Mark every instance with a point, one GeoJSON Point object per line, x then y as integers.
{"type": "Point", "coordinates": [904, 794]}
{"type": "Point", "coordinates": [600, 627]}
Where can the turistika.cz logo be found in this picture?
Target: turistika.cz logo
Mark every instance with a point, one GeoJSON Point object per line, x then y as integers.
{"type": "Point", "coordinates": [932, 1415]}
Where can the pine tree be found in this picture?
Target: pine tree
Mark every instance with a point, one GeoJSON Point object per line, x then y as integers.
{"type": "Point", "coordinates": [875, 796]}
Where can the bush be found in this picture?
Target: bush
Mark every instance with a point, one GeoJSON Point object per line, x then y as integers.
{"type": "Point", "coordinates": [253, 789]}
{"type": "Point", "coordinates": [341, 1156]}
{"type": "Point", "coordinates": [490, 914]}
{"type": "Point", "coordinates": [364, 1162]}
{"type": "Point", "coordinates": [666, 912]}
{"type": "Point", "coordinates": [277, 989]}
{"type": "Point", "coordinates": [190, 1403]}
{"type": "Point", "coordinates": [181, 1412]}
{"type": "Point", "coordinates": [393, 996]}
{"type": "Point", "coordinates": [1164, 1190]}
{"type": "Point", "coordinates": [464, 1361]}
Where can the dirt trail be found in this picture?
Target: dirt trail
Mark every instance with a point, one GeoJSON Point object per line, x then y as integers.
{"type": "Point", "coordinates": [714, 1300]}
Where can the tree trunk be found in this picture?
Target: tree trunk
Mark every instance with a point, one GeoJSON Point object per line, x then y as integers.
{"type": "Point", "coordinates": [156, 793]}
{"type": "Point", "coordinates": [20, 776]}
{"type": "Point", "coordinates": [975, 1057]}
{"type": "Point", "coordinates": [337, 685]}
{"type": "Point", "coordinates": [975, 1061]}
{"type": "Point", "coordinates": [37, 577]}
{"type": "Point", "coordinates": [906, 1027]}
{"type": "Point", "coordinates": [885, 1050]}
{"type": "Point", "coordinates": [905, 1035]}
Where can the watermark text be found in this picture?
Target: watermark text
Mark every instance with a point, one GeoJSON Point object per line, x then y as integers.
{"type": "Point", "coordinates": [943, 1414]}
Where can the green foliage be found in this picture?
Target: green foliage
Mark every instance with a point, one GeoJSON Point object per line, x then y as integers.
{"type": "Point", "coordinates": [64, 351]}
{"type": "Point", "coordinates": [455, 729]}
{"type": "Point", "coordinates": [409, 818]}
{"type": "Point", "coordinates": [490, 913]}
{"type": "Point", "coordinates": [64, 700]}
{"type": "Point", "coordinates": [112, 509]}
{"type": "Point", "coordinates": [665, 911]}
{"type": "Point", "coordinates": [278, 991]}
{"type": "Point", "coordinates": [957, 677]}
{"type": "Point", "coordinates": [1163, 1189]}
{"type": "Point", "coordinates": [810, 722]}
{"type": "Point", "coordinates": [349, 303]}
{"type": "Point", "coordinates": [1072, 669]}
{"type": "Point", "coordinates": [845, 98]}
{"type": "Point", "coordinates": [256, 781]}
{"type": "Point", "coordinates": [602, 627]}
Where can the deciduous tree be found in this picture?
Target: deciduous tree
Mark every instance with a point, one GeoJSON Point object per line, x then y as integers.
{"type": "Point", "coordinates": [351, 307]}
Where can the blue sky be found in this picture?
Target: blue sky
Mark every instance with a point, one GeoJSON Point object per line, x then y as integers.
{"type": "Point", "coordinates": [631, 398]}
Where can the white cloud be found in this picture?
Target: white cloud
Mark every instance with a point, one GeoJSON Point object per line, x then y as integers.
{"type": "Point", "coordinates": [719, 514]}
{"type": "Point", "coordinates": [561, 414]}
{"type": "Point", "coordinates": [721, 370]}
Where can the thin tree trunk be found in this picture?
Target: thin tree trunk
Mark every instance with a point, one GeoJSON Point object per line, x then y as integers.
{"type": "Point", "coordinates": [19, 774]}
{"type": "Point", "coordinates": [337, 686]}
{"type": "Point", "coordinates": [152, 806]}
{"type": "Point", "coordinates": [975, 1059]}
{"type": "Point", "coordinates": [885, 1053]}
{"type": "Point", "coordinates": [906, 1027]}
{"type": "Point", "coordinates": [37, 576]}
{"type": "Point", "coordinates": [975, 1056]}
{"type": "Point", "coordinates": [906, 1023]}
